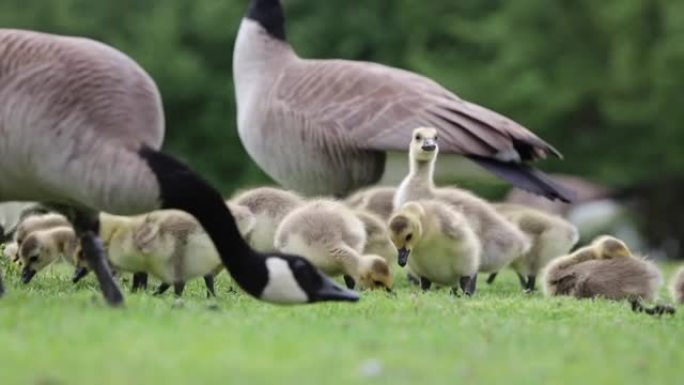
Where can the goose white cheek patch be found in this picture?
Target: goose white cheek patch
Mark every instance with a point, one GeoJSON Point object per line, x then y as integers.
{"type": "Point", "coordinates": [282, 286]}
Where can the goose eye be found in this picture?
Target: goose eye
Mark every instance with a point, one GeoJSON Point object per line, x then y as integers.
{"type": "Point", "coordinates": [419, 137]}
{"type": "Point", "coordinates": [408, 237]}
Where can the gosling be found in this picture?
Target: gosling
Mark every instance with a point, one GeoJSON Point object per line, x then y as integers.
{"type": "Point", "coordinates": [43, 247]}
{"type": "Point", "coordinates": [442, 245]}
{"type": "Point", "coordinates": [33, 223]}
{"type": "Point", "coordinates": [269, 206]}
{"type": "Point", "coordinates": [677, 287]}
{"type": "Point", "coordinates": [551, 236]}
{"type": "Point", "coordinates": [332, 238]}
{"type": "Point", "coordinates": [377, 200]}
{"type": "Point", "coordinates": [606, 268]}
{"type": "Point", "coordinates": [501, 241]}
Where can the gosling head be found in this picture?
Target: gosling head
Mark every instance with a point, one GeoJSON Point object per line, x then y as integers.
{"type": "Point", "coordinates": [608, 247]}
{"type": "Point", "coordinates": [34, 257]}
{"type": "Point", "coordinates": [374, 273]}
{"type": "Point", "coordinates": [11, 252]}
{"type": "Point", "coordinates": [423, 146]}
{"type": "Point", "coordinates": [406, 230]}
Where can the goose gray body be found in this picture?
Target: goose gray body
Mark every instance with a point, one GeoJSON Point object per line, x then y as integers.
{"type": "Point", "coordinates": [91, 102]}
{"type": "Point", "coordinates": [323, 126]}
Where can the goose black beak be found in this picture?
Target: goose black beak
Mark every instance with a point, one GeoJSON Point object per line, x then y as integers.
{"type": "Point", "coordinates": [27, 275]}
{"type": "Point", "coordinates": [429, 145]}
{"type": "Point", "coordinates": [402, 258]}
{"type": "Point", "coordinates": [79, 273]}
{"type": "Point", "coordinates": [332, 291]}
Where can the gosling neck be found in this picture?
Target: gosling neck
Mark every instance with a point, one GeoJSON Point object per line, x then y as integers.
{"type": "Point", "coordinates": [422, 171]}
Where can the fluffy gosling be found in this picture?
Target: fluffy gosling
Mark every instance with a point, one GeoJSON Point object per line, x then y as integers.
{"type": "Point", "coordinates": [442, 245]}
{"type": "Point", "coordinates": [377, 200]}
{"type": "Point", "coordinates": [43, 247]}
{"type": "Point", "coordinates": [332, 237]}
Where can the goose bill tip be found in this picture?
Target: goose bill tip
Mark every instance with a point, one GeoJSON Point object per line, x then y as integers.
{"type": "Point", "coordinates": [331, 291]}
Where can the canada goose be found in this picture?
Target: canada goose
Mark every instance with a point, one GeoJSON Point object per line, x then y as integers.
{"type": "Point", "coordinates": [606, 268]}
{"type": "Point", "coordinates": [551, 237]}
{"type": "Point", "coordinates": [443, 247]}
{"type": "Point", "coordinates": [377, 200]}
{"type": "Point", "coordinates": [330, 122]}
{"type": "Point", "coordinates": [677, 287]}
{"type": "Point", "coordinates": [329, 235]}
{"type": "Point", "coordinates": [81, 126]}
{"type": "Point", "coordinates": [269, 205]}
{"type": "Point", "coordinates": [43, 247]}
{"type": "Point", "coordinates": [501, 240]}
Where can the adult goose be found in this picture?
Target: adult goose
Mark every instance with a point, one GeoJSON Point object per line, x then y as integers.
{"type": "Point", "coordinates": [323, 126]}
{"type": "Point", "coordinates": [80, 129]}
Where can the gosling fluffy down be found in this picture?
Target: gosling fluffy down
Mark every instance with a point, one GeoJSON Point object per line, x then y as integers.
{"type": "Point", "coordinates": [269, 206]}
{"type": "Point", "coordinates": [41, 248]}
{"type": "Point", "coordinates": [605, 268]}
{"type": "Point", "coordinates": [677, 287]}
{"type": "Point", "coordinates": [551, 236]}
{"type": "Point", "coordinates": [378, 239]}
{"type": "Point", "coordinates": [332, 238]}
{"type": "Point", "coordinates": [377, 200]}
{"type": "Point", "coordinates": [439, 243]}
{"type": "Point", "coordinates": [33, 223]}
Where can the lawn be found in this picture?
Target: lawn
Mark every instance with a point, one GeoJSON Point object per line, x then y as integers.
{"type": "Point", "coordinates": [53, 332]}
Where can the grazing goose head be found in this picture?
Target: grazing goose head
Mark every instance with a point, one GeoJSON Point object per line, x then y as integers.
{"type": "Point", "coordinates": [423, 147]}
{"type": "Point", "coordinates": [96, 118]}
{"type": "Point", "coordinates": [374, 273]}
{"type": "Point", "coordinates": [43, 247]}
{"type": "Point", "coordinates": [406, 229]}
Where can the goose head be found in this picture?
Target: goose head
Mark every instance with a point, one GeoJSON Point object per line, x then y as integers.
{"type": "Point", "coordinates": [269, 15]}
{"type": "Point", "coordinates": [423, 146]}
{"type": "Point", "coordinates": [374, 273]}
{"type": "Point", "coordinates": [406, 230]}
{"type": "Point", "coordinates": [294, 280]}
{"type": "Point", "coordinates": [608, 247]}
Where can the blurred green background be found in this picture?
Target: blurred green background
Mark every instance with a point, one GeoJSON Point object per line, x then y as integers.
{"type": "Point", "coordinates": [601, 80]}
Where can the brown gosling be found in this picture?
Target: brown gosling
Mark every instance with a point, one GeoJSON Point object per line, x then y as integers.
{"type": "Point", "coordinates": [377, 200]}
{"type": "Point", "coordinates": [43, 247]}
{"type": "Point", "coordinates": [332, 238]}
{"type": "Point", "coordinates": [677, 287]}
{"type": "Point", "coordinates": [606, 268]}
{"type": "Point", "coordinates": [442, 245]}
{"type": "Point", "coordinates": [269, 205]}
{"type": "Point", "coordinates": [551, 236]}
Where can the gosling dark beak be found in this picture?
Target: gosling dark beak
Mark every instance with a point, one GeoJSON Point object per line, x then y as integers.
{"type": "Point", "coordinates": [27, 275]}
{"type": "Point", "coordinates": [402, 258]}
{"type": "Point", "coordinates": [429, 145]}
{"type": "Point", "coordinates": [79, 273]}
{"type": "Point", "coordinates": [332, 291]}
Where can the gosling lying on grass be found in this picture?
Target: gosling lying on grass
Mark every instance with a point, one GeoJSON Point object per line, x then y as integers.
{"type": "Point", "coordinates": [41, 248]}
{"type": "Point", "coordinates": [438, 243]}
{"type": "Point", "coordinates": [332, 237]}
{"type": "Point", "coordinates": [677, 287]}
{"type": "Point", "coordinates": [377, 200]}
{"type": "Point", "coordinates": [268, 205]}
{"type": "Point", "coordinates": [169, 244]}
{"type": "Point", "coordinates": [551, 236]}
{"type": "Point", "coordinates": [606, 268]}
{"type": "Point", "coordinates": [501, 241]}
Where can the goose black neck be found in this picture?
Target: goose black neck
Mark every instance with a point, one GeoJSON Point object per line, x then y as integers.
{"type": "Point", "coordinates": [182, 189]}
{"type": "Point", "coordinates": [269, 14]}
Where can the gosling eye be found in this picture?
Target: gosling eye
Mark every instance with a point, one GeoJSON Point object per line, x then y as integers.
{"type": "Point", "coordinates": [378, 283]}
{"type": "Point", "coordinates": [419, 137]}
{"type": "Point", "coordinates": [435, 138]}
{"type": "Point", "coordinates": [33, 259]}
{"type": "Point", "coordinates": [408, 237]}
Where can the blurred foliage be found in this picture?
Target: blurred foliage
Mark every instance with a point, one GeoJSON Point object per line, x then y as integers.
{"type": "Point", "coordinates": [601, 80]}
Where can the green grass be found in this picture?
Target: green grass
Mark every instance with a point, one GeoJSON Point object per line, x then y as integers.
{"type": "Point", "coordinates": [53, 332]}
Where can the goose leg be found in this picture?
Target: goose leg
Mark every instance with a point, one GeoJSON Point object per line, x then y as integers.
{"type": "Point", "coordinates": [523, 281]}
{"type": "Point", "coordinates": [412, 280]}
{"type": "Point", "coordinates": [638, 307]}
{"type": "Point", "coordinates": [162, 288]}
{"type": "Point", "coordinates": [425, 283]}
{"type": "Point", "coordinates": [87, 226]}
{"type": "Point", "coordinates": [472, 286]}
{"type": "Point", "coordinates": [349, 281]}
{"type": "Point", "coordinates": [209, 283]}
{"type": "Point", "coordinates": [139, 281]}
{"type": "Point", "coordinates": [178, 288]}
{"type": "Point", "coordinates": [491, 278]}
{"type": "Point", "coordinates": [464, 284]}
{"type": "Point", "coordinates": [531, 279]}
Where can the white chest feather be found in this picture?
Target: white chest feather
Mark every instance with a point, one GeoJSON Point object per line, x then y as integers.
{"type": "Point", "coordinates": [282, 286]}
